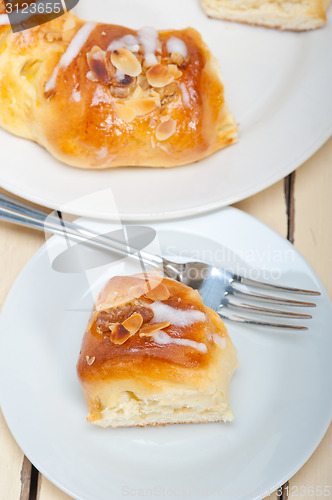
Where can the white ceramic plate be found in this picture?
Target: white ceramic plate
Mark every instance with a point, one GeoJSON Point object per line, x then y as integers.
{"type": "Point", "coordinates": [277, 85]}
{"type": "Point", "coordinates": [280, 394]}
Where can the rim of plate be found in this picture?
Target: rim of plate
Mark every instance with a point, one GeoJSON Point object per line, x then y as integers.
{"type": "Point", "coordinates": [183, 213]}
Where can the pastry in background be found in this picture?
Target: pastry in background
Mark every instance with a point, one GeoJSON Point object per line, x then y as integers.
{"type": "Point", "coordinates": [100, 96]}
{"type": "Point", "coordinates": [154, 354]}
{"type": "Point", "coordinates": [297, 15]}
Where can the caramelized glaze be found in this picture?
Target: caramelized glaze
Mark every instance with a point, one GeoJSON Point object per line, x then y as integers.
{"type": "Point", "coordinates": [114, 361]}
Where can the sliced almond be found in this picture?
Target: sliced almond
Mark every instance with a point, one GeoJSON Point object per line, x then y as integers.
{"type": "Point", "coordinates": [133, 324]}
{"type": "Point", "coordinates": [120, 91]}
{"type": "Point", "coordinates": [100, 67]}
{"type": "Point", "coordinates": [156, 97]}
{"type": "Point", "coordinates": [142, 82]}
{"type": "Point", "coordinates": [165, 130]}
{"type": "Point", "coordinates": [142, 106]}
{"type": "Point", "coordinates": [177, 58]}
{"type": "Point", "coordinates": [158, 291]}
{"type": "Point", "coordinates": [126, 62]}
{"type": "Point", "coordinates": [91, 76]}
{"type": "Point", "coordinates": [119, 334]}
{"type": "Point", "coordinates": [138, 93]}
{"type": "Point", "coordinates": [168, 93]}
{"type": "Point", "coordinates": [125, 112]}
{"type": "Point", "coordinates": [90, 360]}
{"type": "Point", "coordinates": [148, 330]}
{"type": "Point", "coordinates": [159, 76]}
{"type": "Point", "coordinates": [174, 70]}
{"type": "Point", "coordinates": [137, 291]}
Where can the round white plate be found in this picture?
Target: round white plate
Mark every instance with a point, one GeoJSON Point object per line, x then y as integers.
{"type": "Point", "coordinates": [277, 85]}
{"type": "Point", "coordinates": [280, 394]}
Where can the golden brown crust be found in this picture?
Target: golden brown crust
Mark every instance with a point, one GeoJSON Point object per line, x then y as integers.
{"type": "Point", "coordinates": [88, 120]}
{"type": "Point", "coordinates": [141, 350]}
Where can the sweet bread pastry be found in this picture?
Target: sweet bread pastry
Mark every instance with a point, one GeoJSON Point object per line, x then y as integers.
{"type": "Point", "coordinates": [154, 354]}
{"type": "Point", "coordinates": [297, 15]}
{"type": "Point", "coordinates": [99, 96]}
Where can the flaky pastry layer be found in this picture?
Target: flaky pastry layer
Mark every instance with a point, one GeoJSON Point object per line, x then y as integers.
{"type": "Point", "coordinates": [296, 15]}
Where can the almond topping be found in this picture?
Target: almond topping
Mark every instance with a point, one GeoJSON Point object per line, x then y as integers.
{"type": "Point", "coordinates": [119, 92]}
{"type": "Point", "coordinates": [119, 334]}
{"type": "Point", "coordinates": [165, 130]}
{"type": "Point", "coordinates": [126, 62]}
{"type": "Point", "coordinates": [148, 330]}
{"type": "Point", "coordinates": [174, 70]}
{"type": "Point", "coordinates": [177, 58]}
{"type": "Point", "coordinates": [89, 360]}
{"type": "Point", "coordinates": [138, 93]}
{"type": "Point", "coordinates": [126, 113]}
{"type": "Point", "coordinates": [158, 291]}
{"type": "Point", "coordinates": [167, 93]}
{"type": "Point", "coordinates": [142, 82]}
{"type": "Point", "coordinates": [133, 324]}
{"type": "Point", "coordinates": [159, 76]}
{"type": "Point", "coordinates": [143, 106]}
{"type": "Point", "coordinates": [138, 290]}
{"type": "Point", "coordinates": [99, 66]}
{"type": "Point", "coordinates": [156, 96]}
{"type": "Point", "coordinates": [91, 76]}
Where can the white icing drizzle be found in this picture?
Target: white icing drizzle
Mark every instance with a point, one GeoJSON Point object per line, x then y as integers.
{"type": "Point", "coordinates": [129, 42]}
{"type": "Point", "coordinates": [177, 317]}
{"type": "Point", "coordinates": [4, 20]}
{"type": "Point", "coordinates": [76, 95]}
{"type": "Point", "coordinates": [149, 39]}
{"type": "Point", "coordinates": [185, 95]}
{"type": "Point", "coordinates": [219, 341]}
{"type": "Point", "coordinates": [162, 338]}
{"type": "Point", "coordinates": [177, 46]}
{"type": "Point", "coordinates": [72, 51]}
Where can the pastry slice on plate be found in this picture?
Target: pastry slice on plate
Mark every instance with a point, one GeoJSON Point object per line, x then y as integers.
{"type": "Point", "coordinates": [154, 354]}
{"type": "Point", "coordinates": [297, 15]}
{"type": "Point", "coordinates": [98, 96]}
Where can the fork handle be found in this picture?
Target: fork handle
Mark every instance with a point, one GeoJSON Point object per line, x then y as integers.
{"type": "Point", "coordinates": [19, 212]}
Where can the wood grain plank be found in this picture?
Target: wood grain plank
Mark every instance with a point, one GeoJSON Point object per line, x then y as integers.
{"type": "Point", "coordinates": [11, 461]}
{"type": "Point", "coordinates": [313, 213]}
{"type": "Point", "coordinates": [269, 207]}
{"type": "Point", "coordinates": [17, 245]}
{"type": "Point", "coordinates": [48, 491]}
{"type": "Point", "coordinates": [313, 238]}
{"type": "Point", "coordinates": [25, 479]}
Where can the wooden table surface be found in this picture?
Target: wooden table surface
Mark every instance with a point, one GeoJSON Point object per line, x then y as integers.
{"type": "Point", "coordinates": [298, 207]}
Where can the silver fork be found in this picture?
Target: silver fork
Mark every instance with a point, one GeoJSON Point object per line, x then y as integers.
{"type": "Point", "coordinates": [220, 289]}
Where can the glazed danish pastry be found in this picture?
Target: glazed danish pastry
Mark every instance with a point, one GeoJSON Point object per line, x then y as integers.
{"type": "Point", "coordinates": [154, 354]}
{"type": "Point", "coordinates": [297, 15]}
{"type": "Point", "coordinates": [100, 96]}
